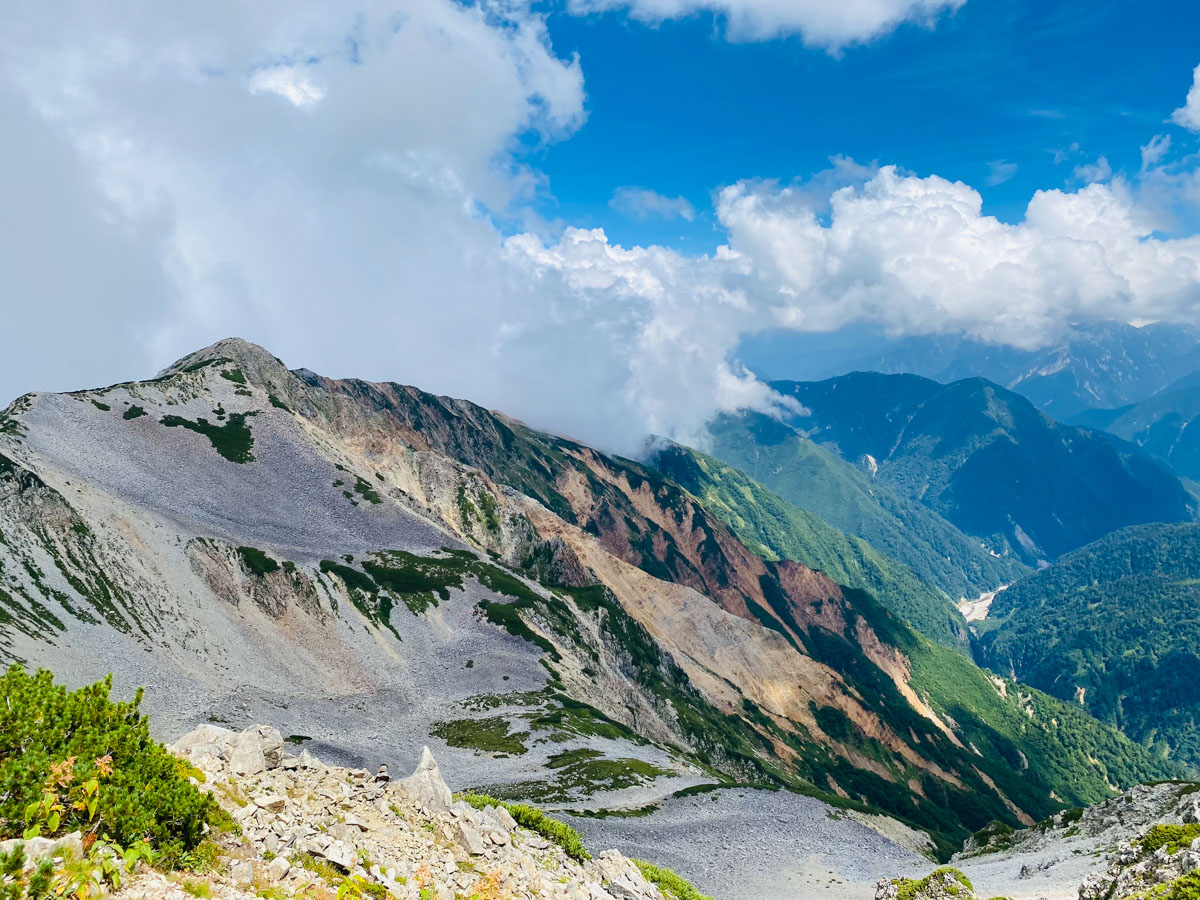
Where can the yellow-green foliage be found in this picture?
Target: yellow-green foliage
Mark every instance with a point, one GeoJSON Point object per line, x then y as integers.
{"type": "Point", "coordinates": [537, 821]}
{"type": "Point", "coordinates": [1185, 887]}
{"type": "Point", "coordinates": [668, 882]}
{"type": "Point", "coordinates": [199, 889]}
{"type": "Point", "coordinates": [1173, 837]}
{"type": "Point", "coordinates": [318, 867]}
{"type": "Point", "coordinates": [912, 888]}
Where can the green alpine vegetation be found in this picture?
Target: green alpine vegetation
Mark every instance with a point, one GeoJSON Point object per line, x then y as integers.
{"type": "Point", "coordinates": [76, 760]}
{"type": "Point", "coordinates": [1115, 628]}
{"type": "Point", "coordinates": [538, 822]}
{"type": "Point", "coordinates": [232, 439]}
{"type": "Point", "coordinates": [812, 478]}
{"type": "Point", "coordinates": [993, 721]}
{"type": "Point", "coordinates": [674, 887]}
{"type": "Point", "coordinates": [775, 529]}
{"type": "Point", "coordinates": [257, 562]}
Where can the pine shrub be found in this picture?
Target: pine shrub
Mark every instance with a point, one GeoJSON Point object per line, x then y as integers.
{"type": "Point", "coordinates": [76, 760]}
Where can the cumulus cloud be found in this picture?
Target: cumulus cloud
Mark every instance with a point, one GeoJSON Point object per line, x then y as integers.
{"type": "Point", "coordinates": [1100, 170]}
{"type": "Point", "coordinates": [289, 82]}
{"type": "Point", "coordinates": [287, 172]}
{"type": "Point", "coordinates": [643, 203]}
{"type": "Point", "coordinates": [1188, 115]}
{"type": "Point", "coordinates": [917, 255]}
{"type": "Point", "coordinates": [819, 23]}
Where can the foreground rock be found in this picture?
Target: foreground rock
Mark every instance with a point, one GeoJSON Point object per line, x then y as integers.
{"type": "Point", "coordinates": [310, 827]}
{"type": "Point", "coordinates": [1137, 844]}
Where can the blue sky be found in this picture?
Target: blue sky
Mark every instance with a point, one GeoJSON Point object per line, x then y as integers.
{"type": "Point", "coordinates": [677, 108]}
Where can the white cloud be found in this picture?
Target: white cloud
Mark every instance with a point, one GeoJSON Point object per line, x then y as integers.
{"type": "Point", "coordinates": [1000, 171]}
{"type": "Point", "coordinates": [289, 82]}
{"type": "Point", "coordinates": [643, 203]}
{"type": "Point", "coordinates": [1154, 151]}
{"type": "Point", "coordinates": [1098, 171]}
{"type": "Point", "coordinates": [1188, 115]}
{"type": "Point", "coordinates": [820, 23]}
{"type": "Point", "coordinates": [917, 256]}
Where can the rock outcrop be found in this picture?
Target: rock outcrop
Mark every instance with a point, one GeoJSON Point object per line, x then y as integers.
{"type": "Point", "coordinates": [305, 824]}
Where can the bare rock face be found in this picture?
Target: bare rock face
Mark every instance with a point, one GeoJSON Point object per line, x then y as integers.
{"type": "Point", "coordinates": [426, 786]}
{"type": "Point", "coordinates": [1133, 870]}
{"type": "Point", "coordinates": [256, 749]}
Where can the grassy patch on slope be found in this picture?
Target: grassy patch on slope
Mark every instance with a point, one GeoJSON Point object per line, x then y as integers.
{"type": "Point", "coordinates": [233, 439]}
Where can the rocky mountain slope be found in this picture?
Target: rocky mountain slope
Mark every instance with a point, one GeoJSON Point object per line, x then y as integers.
{"type": "Point", "coordinates": [988, 461]}
{"type": "Point", "coordinates": [1114, 628]}
{"type": "Point", "coordinates": [1139, 844]}
{"type": "Point", "coordinates": [309, 829]}
{"type": "Point", "coordinates": [357, 561]}
{"type": "Point", "coordinates": [775, 529]}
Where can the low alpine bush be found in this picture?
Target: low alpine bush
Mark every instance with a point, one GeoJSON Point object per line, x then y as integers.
{"type": "Point", "coordinates": [77, 761]}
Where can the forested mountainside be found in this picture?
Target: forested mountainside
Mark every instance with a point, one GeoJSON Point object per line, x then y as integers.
{"type": "Point", "coordinates": [1115, 628]}
{"type": "Point", "coordinates": [988, 461]}
{"type": "Point", "coordinates": [337, 553]}
{"type": "Point", "coordinates": [815, 479]}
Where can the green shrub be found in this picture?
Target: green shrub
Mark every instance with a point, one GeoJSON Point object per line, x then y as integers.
{"type": "Point", "coordinates": [912, 888]}
{"type": "Point", "coordinates": [668, 882]}
{"type": "Point", "coordinates": [56, 743]}
{"type": "Point", "coordinates": [16, 884]}
{"type": "Point", "coordinates": [233, 440]}
{"type": "Point", "coordinates": [1173, 837]}
{"type": "Point", "coordinates": [1185, 887]}
{"type": "Point", "coordinates": [134, 412]}
{"type": "Point", "coordinates": [538, 822]}
{"type": "Point", "coordinates": [256, 561]}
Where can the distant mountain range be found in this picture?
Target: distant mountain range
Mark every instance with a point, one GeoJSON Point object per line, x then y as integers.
{"type": "Point", "coordinates": [988, 461]}
{"type": "Point", "coordinates": [1166, 424]}
{"type": "Point", "coordinates": [1105, 364]}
